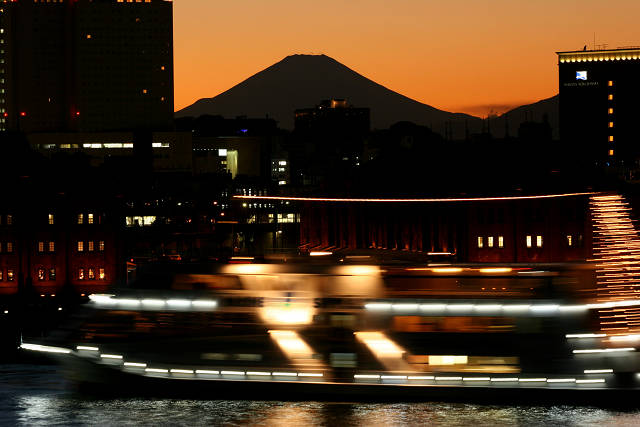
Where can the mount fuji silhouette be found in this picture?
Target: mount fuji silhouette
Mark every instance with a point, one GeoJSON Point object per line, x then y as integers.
{"type": "Point", "coordinates": [302, 81]}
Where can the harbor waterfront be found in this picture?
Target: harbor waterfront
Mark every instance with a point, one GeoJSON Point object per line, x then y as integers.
{"type": "Point", "coordinates": [39, 395]}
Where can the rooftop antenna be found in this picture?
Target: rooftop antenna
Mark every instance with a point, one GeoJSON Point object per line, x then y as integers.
{"type": "Point", "coordinates": [594, 40]}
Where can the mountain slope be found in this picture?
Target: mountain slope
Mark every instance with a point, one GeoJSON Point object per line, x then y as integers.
{"type": "Point", "coordinates": [535, 112]}
{"type": "Point", "coordinates": [302, 81]}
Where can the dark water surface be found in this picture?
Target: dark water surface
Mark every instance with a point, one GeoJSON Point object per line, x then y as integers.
{"type": "Point", "coordinates": [39, 395]}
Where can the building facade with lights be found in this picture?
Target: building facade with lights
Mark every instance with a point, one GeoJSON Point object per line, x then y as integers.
{"type": "Point", "coordinates": [537, 230]}
{"type": "Point", "coordinates": [42, 252]}
{"type": "Point", "coordinates": [86, 66]}
{"type": "Point", "coordinates": [599, 90]}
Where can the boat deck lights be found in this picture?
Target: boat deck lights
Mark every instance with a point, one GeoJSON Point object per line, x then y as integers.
{"type": "Point", "coordinates": [111, 356]}
{"type": "Point", "coordinates": [45, 348]}
{"type": "Point", "coordinates": [604, 350]}
{"type": "Point", "coordinates": [534, 308]}
{"type": "Point", "coordinates": [87, 348]}
{"type": "Point", "coordinates": [416, 200]}
{"type": "Point", "coordinates": [517, 380]}
{"type": "Point", "coordinates": [109, 301]}
{"type": "Point", "coordinates": [135, 365]}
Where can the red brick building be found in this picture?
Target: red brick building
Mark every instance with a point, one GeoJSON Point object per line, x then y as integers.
{"type": "Point", "coordinates": [44, 251]}
{"type": "Point", "coordinates": [502, 230]}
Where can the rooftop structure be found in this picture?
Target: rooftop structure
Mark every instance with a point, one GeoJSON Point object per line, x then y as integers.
{"type": "Point", "coordinates": [598, 104]}
{"type": "Point", "coordinates": [88, 66]}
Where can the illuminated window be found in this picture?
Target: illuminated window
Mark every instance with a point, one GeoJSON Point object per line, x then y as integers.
{"type": "Point", "coordinates": [51, 219]}
{"type": "Point", "coordinates": [101, 246]}
{"type": "Point", "coordinates": [80, 246]}
{"type": "Point", "coordinates": [610, 110]}
{"type": "Point", "coordinates": [144, 91]}
{"type": "Point", "coordinates": [162, 67]}
{"type": "Point", "coordinates": [42, 275]}
{"type": "Point", "coordinates": [90, 218]}
{"type": "Point", "coordinates": [88, 36]}
{"type": "Point", "coordinates": [610, 83]}
{"type": "Point", "coordinates": [81, 274]}
{"type": "Point", "coordinates": [480, 241]}
{"type": "Point", "coordinates": [539, 241]}
{"type": "Point", "coordinates": [569, 240]}
{"type": "Point", "coordinates": [10, 275]}
{"type": "Point", "coordinates": [9, 219]}
{"type": "Point", "coordinates": [500, 241]}
{"type": "Point", "coordinates": [282, 182]}
{"type": "Point", "coordinates": [0, 275]}
{"type": "Point", "coordinates": [80, 218]}
{"type": "Point", "coordinates": [101, 274]}
{"type": "Point", "coordinates": [52, 246]}
{"type": "Point", "coordinates": [529, 241]}
{"type": "Point", "coordinates": [610, 97]}
{"type": "Point", "coordinates": [611, 152]}
{"type": "Point", "coordinates": [610, 124]}
{"type": "Point", "coordinates": [9, 247]}
{"type": "Point", "coordinates": [52, 274]}
{"type": "Point", "coordinates": [490, 241]}
{"type": "Point", "coordinates": [40, 246]}
{"type": "Point", "coordinates": [90, 245]}
{"type": "Point", "coordinates": [92, 273]}
{"type": "Point", "coordinates": [610, 138]}
{"type": "Point", "coordinates": [282, 163]}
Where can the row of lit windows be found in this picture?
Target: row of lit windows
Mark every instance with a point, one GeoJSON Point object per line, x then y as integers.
{"type": "Point", "coordinates": [90, 273]}
{"type": "Point", "coordinates": [89, 219]}
{"type": "Point", "coordinates": [490, 241]}
{"type": "Point", "coordinates": [8, 219]}
{"type": "Point", "coordinates": [50, 246]}
{"type": "Point", "coordinates": [10, 275]}
{"type": "Point", "coordinates": [7, 247]}
{"type": "Point", "coordinates": [529, 241]}
{"type": "Point", "coordinates": [90, 246]}
{"type": "Point", "coordinates": [42, 274]}
{"type": "Point", "coordinates": [285, 218]}
{"type": "Point", "coordinates": [610, 111]}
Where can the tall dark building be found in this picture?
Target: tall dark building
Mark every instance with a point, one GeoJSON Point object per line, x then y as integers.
{"type": "Point", "coordinates": [86, 65]}
{"type": "Point", "coordinates": [599, 92]}
{"type": "Point", "coordinates": [329, 138]}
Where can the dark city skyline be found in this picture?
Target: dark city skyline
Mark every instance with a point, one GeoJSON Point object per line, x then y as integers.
{"type": "Point", "coordinates": [310, 236]}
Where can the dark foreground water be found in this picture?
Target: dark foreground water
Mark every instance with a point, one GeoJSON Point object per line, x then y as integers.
{"type": "Point", "coordinates": [38, 395]}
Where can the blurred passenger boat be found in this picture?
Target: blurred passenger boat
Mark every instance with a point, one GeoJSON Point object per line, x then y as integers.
{"type": "Point", "coordinates": [354, 330]}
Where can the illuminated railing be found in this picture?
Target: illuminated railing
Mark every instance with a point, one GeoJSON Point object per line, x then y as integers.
{"type": "Point", "coordinates": [118, 361]}
{"type": "Point", "coordinates": [602, 55]}
{"type": "Point", "coordinates": [522, 309]}
{"type": "Point", "coordinates": [110, 301]}
{"type": "Point", "coordinates": [616, 250]}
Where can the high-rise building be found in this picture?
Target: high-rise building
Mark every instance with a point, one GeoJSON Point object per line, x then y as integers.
{"type": "Point", "coordinates": [86, 65]}
{"type": "Point", "coordinates": [599, 92]}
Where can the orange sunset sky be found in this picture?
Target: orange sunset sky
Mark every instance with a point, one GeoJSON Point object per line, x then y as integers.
{"type": "Point", "coordinates": [472, 56]}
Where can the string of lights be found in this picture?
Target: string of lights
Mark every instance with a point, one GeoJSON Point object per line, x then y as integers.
{"type": "Point", "coordinates": [616, 250]}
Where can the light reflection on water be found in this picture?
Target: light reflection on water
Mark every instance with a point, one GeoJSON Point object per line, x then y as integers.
{"type": "Point", "coordinates": [39, 396]}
